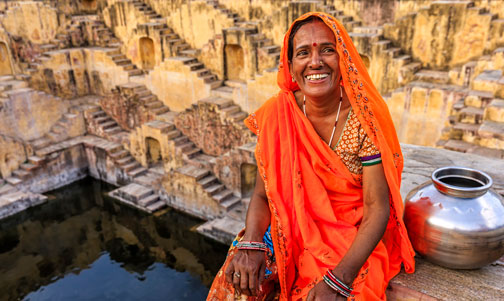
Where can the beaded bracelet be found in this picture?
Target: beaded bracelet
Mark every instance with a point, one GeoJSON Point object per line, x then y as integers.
{"type": "Point", "coordinates": [337, 284]}
{"type": "Point", "coordinates": [252, 245]}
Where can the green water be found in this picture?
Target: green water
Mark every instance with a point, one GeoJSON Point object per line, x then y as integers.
{"type": "Point", "coordinates": [84, 246]}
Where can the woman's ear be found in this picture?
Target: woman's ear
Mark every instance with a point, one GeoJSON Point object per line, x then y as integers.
{"type": "Point", "coordinates": [290, 71]}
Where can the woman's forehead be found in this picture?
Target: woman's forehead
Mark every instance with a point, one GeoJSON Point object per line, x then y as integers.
{"type": "Point", "coordinates": [313, 32]}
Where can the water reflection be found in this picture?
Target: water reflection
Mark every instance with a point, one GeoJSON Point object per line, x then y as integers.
{"type": "Point", "coordinates": [83, 246]}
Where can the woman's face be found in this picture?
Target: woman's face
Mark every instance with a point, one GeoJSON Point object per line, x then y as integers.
{"type": "Point", "coordinates": [314, 63]}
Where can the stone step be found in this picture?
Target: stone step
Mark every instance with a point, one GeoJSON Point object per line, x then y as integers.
{"type": "Point", "coordinates": [120, 154]}
{"type": "Point", "coordinates": [223, 195]}
{"type": "Point", "coordinates": [103, 119]}
{"type": "Point", "coordinates": [193, 172]}
{"type": "Point", "coordinates": [214, 188]}
{"type": "Point", "coordinates": [230, 203]}
{"type": "Point", "coordinates": [160, 110]}
{"type": "Point", "coordinates": [134, 192]}
{"type": "Point", "coordinates": [41, 143]}
{"type": "Point", "coordinates": [134, 72]}
{"type": "Point", "coordinates": [28, 166]}
{"type": "Point", "coordinates": [231, 110]}
{"type": "Point", "coordinates": [35, 160]}
{"type": "Point", "coordinates": [149, 200]}
{"type": "Point", "coordinates": [186, 146]}
{"type": "Point", "coordinates": [137, 171]}
{"type": "Point", "coordinates": [112, 130]}
{"type": "Point", "coordinates": [492, 129]}
{"type": "Point", "coordinates": [130, 165]}
{"type": "Point", "coordinates": [13, 181]}
{"type": "Point", "coordinates": [153, 105]}
{"type": "Point", "coordinates": [173, 134]}
{"type": "Point", "coordinates": [6, 189]}
{"type": "Point", "coordinates": [108, 124]}
{"type": "Point", "coordinates": [21, 174]}
{"type": "Point", "coordinates": [125, 160]}
{"type": "Point", "coordinates": [157, 206]}
{"type": "Point", "coordinates": [196, 66]}
{"type": "Point", "coordinates": [458, 145]}
{"type": "Point", "coordinates": [98, 114]}
{"type": "Point", "coordinates": [149, 98]}
{"type": "Point", "coordinates": [432, 76]}
{"type": "Point", "coordinates": [271, 49]}
{"type": "Point", "coordinates": [208, 181]}
{"type": "Point", "coordinates": [239, 116]}
{"type": "Point", "coordinates": [495, 110]}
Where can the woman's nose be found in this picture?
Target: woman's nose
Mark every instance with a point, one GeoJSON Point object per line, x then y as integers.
{"type": "Point", "coordinates": [316, 60]}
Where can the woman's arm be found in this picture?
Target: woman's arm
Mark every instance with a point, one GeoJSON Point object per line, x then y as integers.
{"type": "Point", "coordinates": [249, 264]}
{"type": "Point", "coordinates": [374, 222]}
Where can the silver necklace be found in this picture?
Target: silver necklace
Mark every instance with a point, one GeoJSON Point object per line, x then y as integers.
{"type": "Point", "coordinates": [337, 115]}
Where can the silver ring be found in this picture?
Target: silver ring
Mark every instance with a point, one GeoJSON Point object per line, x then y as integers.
{"type": "Point", "coordinates": [237, 274]}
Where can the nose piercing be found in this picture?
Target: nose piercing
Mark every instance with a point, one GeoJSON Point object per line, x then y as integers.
{"type": "Point", "coordinates": [321, 63]}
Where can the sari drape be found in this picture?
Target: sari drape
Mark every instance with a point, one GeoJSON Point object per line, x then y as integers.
{"type": "Point", "coordinates": [315, 202]}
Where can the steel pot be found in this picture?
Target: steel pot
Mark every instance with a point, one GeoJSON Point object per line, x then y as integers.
{"type": "Point", "coordinates": [456, 220]}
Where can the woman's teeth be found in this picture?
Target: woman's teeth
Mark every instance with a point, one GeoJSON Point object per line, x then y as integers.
{"type": "Point", "coordinates": [316, 76]}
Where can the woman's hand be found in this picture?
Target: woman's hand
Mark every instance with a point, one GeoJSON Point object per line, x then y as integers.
{"type": "Point", "coordinates": [322, 292]}
{"type": "Point", "coordinates": [246, 271]}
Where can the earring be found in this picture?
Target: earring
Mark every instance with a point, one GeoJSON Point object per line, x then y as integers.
{"type": "Point", "coordinates": [293, 80]}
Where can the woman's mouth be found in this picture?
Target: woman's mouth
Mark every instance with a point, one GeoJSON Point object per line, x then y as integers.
{"type": "Point", "coordinates": [316, 77]}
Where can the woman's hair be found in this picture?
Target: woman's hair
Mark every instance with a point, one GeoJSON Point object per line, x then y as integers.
{"type": "Point", "coordinates": [293, 32]}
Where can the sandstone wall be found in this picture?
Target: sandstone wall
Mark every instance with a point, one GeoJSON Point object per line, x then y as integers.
{"type": "Point", "coordinates": [198, 22]}
{"type": "Point", "coordinates": [77, 72]}
{"type": "Point", "coordinates": [29, 114]}
{"type": "Point", "coordinates": [445, 34]}
{"type": "Point", "coordinates": [175, 85]}
{"type": "Point", "coordinates": [32, 21]}
{"type": "Point", "coordinates": [13, 152]}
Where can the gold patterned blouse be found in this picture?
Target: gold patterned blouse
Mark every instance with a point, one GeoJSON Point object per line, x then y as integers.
{"type": "Point", "coordinates": [355, 148]}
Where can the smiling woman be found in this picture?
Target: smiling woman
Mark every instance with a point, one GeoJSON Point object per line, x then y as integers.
{"type": "Point", "coordinates": [324, 221]}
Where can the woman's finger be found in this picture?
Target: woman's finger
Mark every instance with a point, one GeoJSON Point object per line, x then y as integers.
{"type": "Point", "coordinates": [229, 272]}
{"type": "Point", "coordinates": [244, 282]}
{"type": "Point", "coordinates": [237, 280]}
{"type": "Point", "coordinates": [253, 283]}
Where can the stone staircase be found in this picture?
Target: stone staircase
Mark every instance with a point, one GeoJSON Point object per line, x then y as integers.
{"type": "Point", "coordinates": [139, 196]}
{"type": "Point", "coordinates": [175, 45]}
{"type": "Point", "coordinates": [145, 96]}
{"type": "Point", "coordinates": [477, 120]}
{"type": "Point", "coordinates": [100, 124]}
{"type": "Point", "coordinates": [211, 185]}
{"type": "Point", "coordinates": [60, 131]}
{"type": "Point", "coordinates": [21, 175]}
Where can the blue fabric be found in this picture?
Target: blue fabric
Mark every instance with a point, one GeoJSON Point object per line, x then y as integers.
{"type": "Point", "coordinates": [269, 243]}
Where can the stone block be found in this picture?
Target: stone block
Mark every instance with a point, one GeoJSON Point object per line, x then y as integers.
{"type": "Point", "coordinates": [495, 111]}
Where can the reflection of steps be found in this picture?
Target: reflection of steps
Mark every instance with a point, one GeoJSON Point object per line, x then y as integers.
{"type": "Point", "coordinates": [139, 196]}
{"type": "Point", "coordinates": [211, 185]}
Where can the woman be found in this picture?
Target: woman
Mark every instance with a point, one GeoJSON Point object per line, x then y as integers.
{"type": "Point", "coordinates": [327, 189]}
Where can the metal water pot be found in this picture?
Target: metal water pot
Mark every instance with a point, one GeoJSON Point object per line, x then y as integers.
{"type": "Point", "coordinates": [456, 220]}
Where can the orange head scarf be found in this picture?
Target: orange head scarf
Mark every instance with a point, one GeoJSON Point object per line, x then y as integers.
{"type": "Point", "coordinates": [316, 204]}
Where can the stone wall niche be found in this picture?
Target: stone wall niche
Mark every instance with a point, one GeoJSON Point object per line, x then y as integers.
{"type": "Point", "coordinates": [147, 54]}
{"type": "Point", "coordinates": [153, 153]}
{"type": "Point", "coordinates": [234, 62]}
{"type": "Point", "coordinates": [248, 179]}
{"type": "Point", "coordinates": [89, 5]}
{"type": "Point", "coordinates": [5, 63]}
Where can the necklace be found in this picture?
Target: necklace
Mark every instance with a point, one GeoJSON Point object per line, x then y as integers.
{"type": "Point", "coordinates": [337, 115]}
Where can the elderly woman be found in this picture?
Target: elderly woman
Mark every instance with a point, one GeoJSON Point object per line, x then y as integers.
{"type": "Point", "coordinates": [325, 219]}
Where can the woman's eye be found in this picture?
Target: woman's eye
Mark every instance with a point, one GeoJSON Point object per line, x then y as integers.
{"type": "Point", "coordinates": [328, 49]}
{"type": "Point", "coordinates": [302, 52]}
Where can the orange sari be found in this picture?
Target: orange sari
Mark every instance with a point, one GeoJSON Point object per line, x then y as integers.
{"type": "Point", "coordinates": [316, 205]}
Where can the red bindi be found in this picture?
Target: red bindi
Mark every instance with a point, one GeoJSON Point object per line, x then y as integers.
{"type": "Point", "coordinates": [314, 44]}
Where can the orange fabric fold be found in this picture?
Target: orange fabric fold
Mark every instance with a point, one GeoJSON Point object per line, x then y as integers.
{"type": "Point", "coordinates": [315, 202]}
